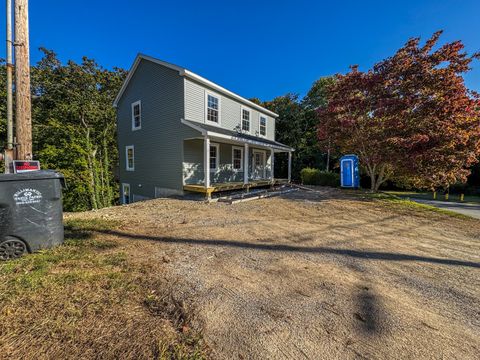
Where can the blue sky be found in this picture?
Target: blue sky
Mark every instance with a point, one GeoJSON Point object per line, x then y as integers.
{"type": "Point", "coordinates": [254, 48]}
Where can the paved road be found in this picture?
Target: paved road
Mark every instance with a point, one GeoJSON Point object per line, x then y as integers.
{"type": "Point", "coordinates": [469, 209]}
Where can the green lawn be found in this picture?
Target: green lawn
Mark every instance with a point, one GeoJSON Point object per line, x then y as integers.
{"type": "Point", "coordinates": [402, 202]}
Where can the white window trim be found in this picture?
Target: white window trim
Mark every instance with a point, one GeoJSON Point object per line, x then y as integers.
{"type": "Point", "coordinates": [249, 121]}
{"type": "Point", "coordinates": [139, 103]}
{"type": "Point", "coordinates": [266, 125]}
{"type": "Point", "coordinates": [126, 158]}
{"type": "Point", "coordinates": [217, 160]}
{"type": "Point", "coordinates": [219, 108]}
{"type": "Point", "coordinates": [129, 193]}
{"type": "Point", "coordinates": [241, 158]}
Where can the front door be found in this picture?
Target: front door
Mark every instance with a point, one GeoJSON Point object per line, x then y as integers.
{"type": "Point", "coordinates": [126, 193]}
{"type": "Point", "coordinates": [258, 165]}
{"type": "Point", "coordinates": [347, 173]}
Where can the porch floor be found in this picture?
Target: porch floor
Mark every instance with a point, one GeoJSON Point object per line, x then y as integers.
{"type": "Point", "coordinates": [216, 187]}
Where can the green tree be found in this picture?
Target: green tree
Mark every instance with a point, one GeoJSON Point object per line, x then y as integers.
{"type": "Point", "coordinates": [410, 118]}
{"type": "Point", "coordinates": [316, 99]}
{"type": "Point", "coordinates": [289, 129]}
{"type": "Point", "coordinates": [74, 127]}
{"type": "Point", "coordinates": [296, 126]}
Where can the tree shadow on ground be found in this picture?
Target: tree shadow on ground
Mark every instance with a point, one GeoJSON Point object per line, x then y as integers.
{"type": "Point", "coordinates": [367, 311]}
{"type": "Point", "coordinates": [370, 255]}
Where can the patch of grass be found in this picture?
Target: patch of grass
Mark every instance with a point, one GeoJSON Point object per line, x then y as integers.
{"type": "Point", "coordinates": [440, 197]}
{"type": "Point", "coordinates": [86, 299]}
{"type": "Point", "coordinates": [390, 198]}
{"type": "Point", "coordinates": [415, 206]}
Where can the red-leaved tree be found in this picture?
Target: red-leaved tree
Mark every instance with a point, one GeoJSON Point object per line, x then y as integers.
{"type": "Point", "coordinates": [410, 118]}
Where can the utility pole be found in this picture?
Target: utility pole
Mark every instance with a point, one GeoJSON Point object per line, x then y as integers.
{"type": "Point", "coordinates": [9, 67]}
{"type": "Point", "coordinates": [23, 111]}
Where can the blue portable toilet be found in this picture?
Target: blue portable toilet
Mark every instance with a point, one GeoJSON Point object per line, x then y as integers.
{"type": "Point", "coordinates": [349, 174]}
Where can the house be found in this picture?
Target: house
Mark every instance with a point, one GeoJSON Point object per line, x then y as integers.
{"type": "Point", "coordinates": [179, 132]}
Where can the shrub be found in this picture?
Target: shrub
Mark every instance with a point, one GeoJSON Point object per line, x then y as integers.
{"type": "Point", "coordinates": [311, 176]}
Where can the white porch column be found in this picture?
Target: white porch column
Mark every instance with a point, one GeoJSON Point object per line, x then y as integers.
{"type": "Point", "coordinates": [272, 164]}
{"type": "Point", "coordinates": [206, 161]}
{"type": "Point", "coordinates": [245, 163]}
{"type": "Point", "coordinates": [289, 166]}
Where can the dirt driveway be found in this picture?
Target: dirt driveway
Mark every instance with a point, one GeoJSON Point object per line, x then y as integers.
{"type": "Point", "coordinates": [317, 275]}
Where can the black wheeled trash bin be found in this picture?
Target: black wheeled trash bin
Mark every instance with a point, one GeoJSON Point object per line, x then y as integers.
{"type": "Point", "coordinates": [31, 216]}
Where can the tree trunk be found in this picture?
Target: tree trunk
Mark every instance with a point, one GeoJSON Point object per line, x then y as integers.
{"type": "Point", "coordinates": [103, 198]}
{"type": "Point", "coordinates": [96, 179]}
{"type": "Point", "coordinates": [376, 180]}
{"type": "Point", "coordinates": [91, 187]}
{"type": "Point", "coordinates": [328, 156]}
{"type": "Point", "coordinates": [106, 165]}
{"type": "Point", "coordinates": [372, 182]}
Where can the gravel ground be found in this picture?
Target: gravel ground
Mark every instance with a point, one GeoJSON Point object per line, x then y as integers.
{"type": "Point", "coordinates": [316, 275]}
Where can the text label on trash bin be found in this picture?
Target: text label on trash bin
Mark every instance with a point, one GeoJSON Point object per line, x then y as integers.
{"type": "Point", "coordinates": [27, 196]}
{"type": "Point", "coordinates": [21, 166]}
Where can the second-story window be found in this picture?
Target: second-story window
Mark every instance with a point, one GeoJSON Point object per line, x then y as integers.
{"type": "Point", "coordinates": [263, 126]}
{"type": "Point", "coordinates": [246, 120]}
{"type": "Point", "coordinates": [213, 108]}
{"type": "Point", "coordinates": [137, 115]}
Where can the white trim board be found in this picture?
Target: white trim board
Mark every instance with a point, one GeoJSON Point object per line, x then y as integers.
{"type": "Point", "coordinates": [187, 73]}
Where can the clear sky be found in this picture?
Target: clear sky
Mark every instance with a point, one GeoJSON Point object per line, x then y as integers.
{"type": "Point", "coordinates": [254, 48]}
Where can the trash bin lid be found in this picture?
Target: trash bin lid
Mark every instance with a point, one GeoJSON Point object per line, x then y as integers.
{"type": "Point", "coordinates": [32, 175]}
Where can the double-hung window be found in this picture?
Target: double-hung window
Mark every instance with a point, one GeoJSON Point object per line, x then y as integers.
{"type": "Point", "coordinates": [237, 158]}
{"type": "Point", "coordinates": [213, 108]}
{"type": "Point", "coordinates": [245, 120]}
{"type": "Point", "coordinates": [214, 157]}
{"type": "Point", "coordinates": [263, 126]}
{"type": "Point", "coordinates": [137, 115]}
{"type": "Point", "coordinates": [130, 158]}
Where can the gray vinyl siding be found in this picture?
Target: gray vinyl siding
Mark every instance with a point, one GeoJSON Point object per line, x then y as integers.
{"type": "Point", "coordinates": [165, 154]}
{"type": "Point", "coordinates": [230, 110]}
{"type": "Point", "coordinates": [193, 164]}
{"type": "Point", "coordinates": [159, 142]}
{"type": "Point", "coordinates": [193, 161]}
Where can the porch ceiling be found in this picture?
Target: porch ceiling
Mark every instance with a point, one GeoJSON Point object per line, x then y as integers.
{"type": "Point", "coordinates": [236, 137]}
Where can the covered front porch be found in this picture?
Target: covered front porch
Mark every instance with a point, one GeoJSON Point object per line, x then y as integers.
{"type": "Point", "coordinates": [216, 162]}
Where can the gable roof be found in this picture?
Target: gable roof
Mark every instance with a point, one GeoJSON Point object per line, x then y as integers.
{"type": "Point", "coordinates": [187, 73]}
